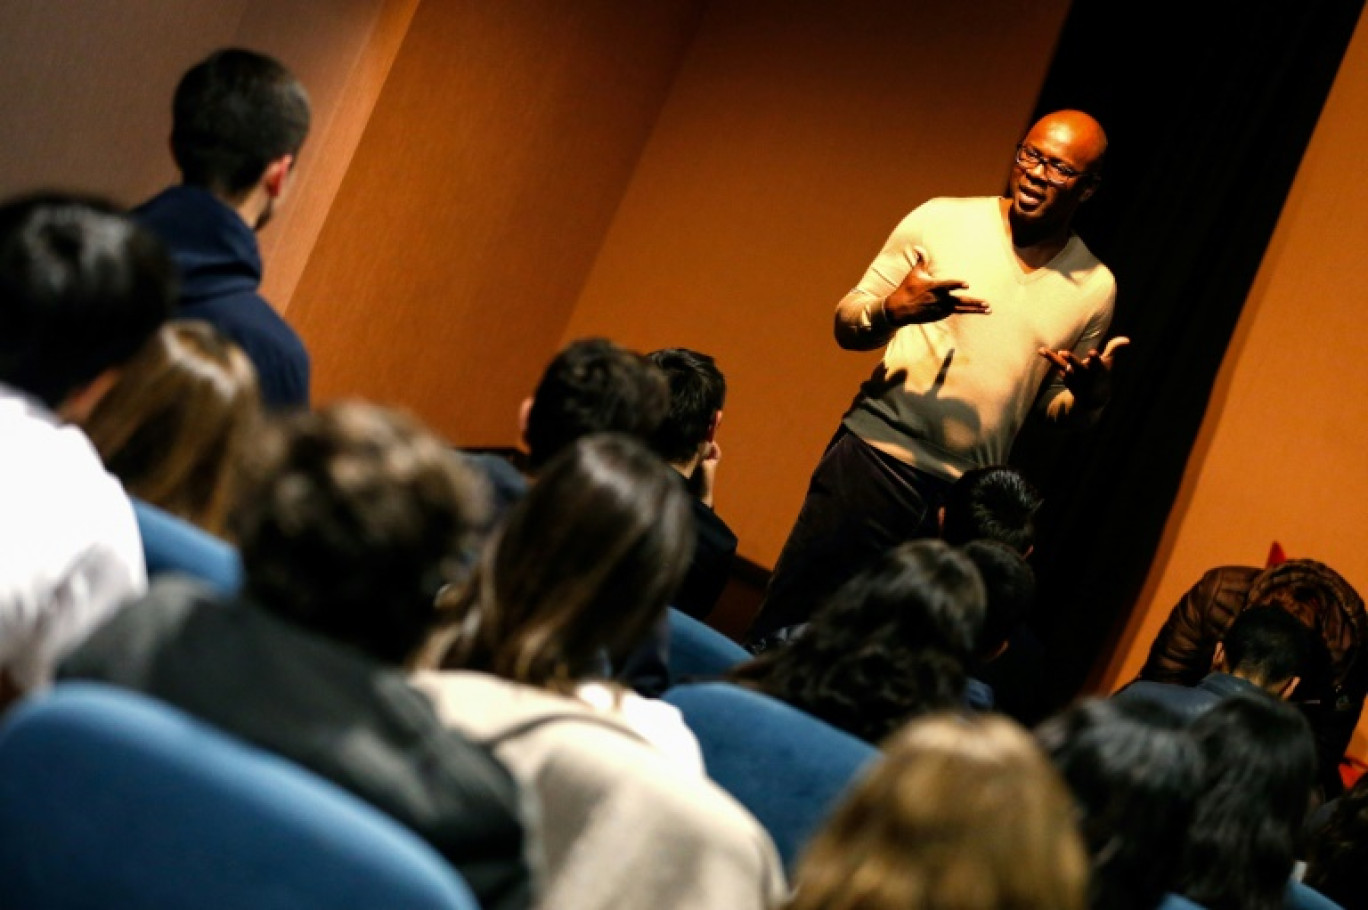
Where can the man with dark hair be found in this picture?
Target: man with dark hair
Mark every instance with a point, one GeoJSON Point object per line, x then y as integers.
{"type": "Point", "coordinates": [350, 521]}
{"type": "Point", "coordinates": [82, 287]}
{"type": "Point", "coordinates": [687, 440]}
{"type": "Point", "coordinates": [592, 386]}
{"type": "Point", "coordinates": [1010, 586]}
{"type": "Point", "coordinates": [992, 503]}
{"type": "Point", "coordinates": [1266, 650]}
{"type": "Point", "coordinates": [239, 120]}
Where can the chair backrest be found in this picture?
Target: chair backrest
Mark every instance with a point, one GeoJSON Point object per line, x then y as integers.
{"type": "Point", "coordinates": [1178, 902]}
{"type": "Point", "coordinates": [697, 650]}
{"type": "Point", "coordinates": [172, 544]}
{"type": "Point", "coordinates": [787, 767]}
{"type": "Point", "coordinates": [1304, 897]}
{"type": "Point", "coordinates": [111, 799]}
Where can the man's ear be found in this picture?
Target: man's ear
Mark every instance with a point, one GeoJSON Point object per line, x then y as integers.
{"type": "Point", "coordinates": [524, 414]}
{"type": "Point", "coordinates": [1093, 183]}
{"type": "Point", "coordinates": [716, 421]}
{"type": "Point", "coordinates": [940, 521]}
{"type": "Point", "coordinates": [1218, 659]}
{"type": "Point", "coordinates": [80, 404]}
{"type": "Point", "coordinates": [1289, 687]}
{"type": "Point", "coordinates": [277, 175]}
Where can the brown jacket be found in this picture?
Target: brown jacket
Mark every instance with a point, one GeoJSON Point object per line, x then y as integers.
{"type": "Point", "coordinates": [1313, 592]}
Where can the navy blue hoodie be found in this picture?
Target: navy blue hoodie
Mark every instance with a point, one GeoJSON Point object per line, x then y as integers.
{"type": "Point", "coordinates": [220, 270]}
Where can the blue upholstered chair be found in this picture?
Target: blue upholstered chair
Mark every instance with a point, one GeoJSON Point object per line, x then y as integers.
{"type": "Point", "coordinates": [1304, 897]}
{"type": "Point", "coordinates": [110, 799]}
{"type": "Point", "coordinates": [697, 650]}
{"type": "Point", "coordinates": [787, 767]}
{"type": "Point", "coordinates": [172, 544]}
{"type": "Point", "coordinates": [1178, 902]}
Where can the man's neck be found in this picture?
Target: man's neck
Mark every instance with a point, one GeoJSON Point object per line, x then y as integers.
{"type": "Point", "coordinates": [1034, 248]}
{"type": "Point", "coordinates": [685, 468]}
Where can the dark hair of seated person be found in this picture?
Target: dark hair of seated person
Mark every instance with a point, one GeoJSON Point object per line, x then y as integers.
{"type": "Point", "coordinates": [1010, 586]}
{"type": "Point", "coordinates": [890, 644]}
{"type": "Point", "coordinates": [581, 569]}
{"type": "Point", "coordinates": [1337, 853]}
{"type": "Point", "coordinates": [1260, 768]}
{"type": "Point", "coordinates": [350, 520]}
{"type": "Point", "coordinates": [82, 287]}
{"type": "Point", "coordinates": [177, 420]}
{"type": "Point", "coordinates": [1135, 774]}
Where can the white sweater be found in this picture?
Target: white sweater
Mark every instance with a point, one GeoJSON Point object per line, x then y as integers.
{"type": "Point", "coordinates": [952, 395]}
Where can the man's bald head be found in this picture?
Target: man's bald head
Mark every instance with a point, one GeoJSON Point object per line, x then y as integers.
{"type": "Point", "coordinates": [1076, 131]}
{"type": "Point", "coordinates": [1056, 170]}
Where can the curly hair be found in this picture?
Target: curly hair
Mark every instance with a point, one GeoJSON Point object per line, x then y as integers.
{"type": "Point", "coordinates": [351, 519]}
{"type": "Point", "coordinates": [892, 643]}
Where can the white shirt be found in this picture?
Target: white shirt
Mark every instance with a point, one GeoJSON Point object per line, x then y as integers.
{"type": "Point", "coordinates": [70, 553]}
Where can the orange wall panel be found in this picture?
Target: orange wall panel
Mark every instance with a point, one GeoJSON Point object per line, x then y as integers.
{"type": "Point", "coordinates": [1281, 456]}
{"type": "Point", "coordinates": [492, 164]}
{"type": "Point", "coordinates": [798, 134]}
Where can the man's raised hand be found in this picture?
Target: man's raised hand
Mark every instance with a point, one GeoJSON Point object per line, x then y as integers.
{"type": "Point", "coordinates": [1088, 379]}
{"type": "Point", "coordinates": [923, 298]}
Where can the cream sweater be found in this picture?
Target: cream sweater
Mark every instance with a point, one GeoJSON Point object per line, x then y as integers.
{"type": "Point", "coordinates": [951, 395]}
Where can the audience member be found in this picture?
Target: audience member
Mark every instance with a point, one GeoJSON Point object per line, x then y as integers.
{"type": "Point", "coordinates": [1010, 587]}
{"type": "Point", "coordinates": [959, 814]}
{"type": "Point", "coordinates": [239, 120]}
{"type": "Point", "coordinates": [1337, 852]}
{"type": "Point", "coordinates": [81, 289]}
{"type": "Point", "coordinates": [174, 426]}
{"type": "Point", "coordinates": [580, 570]}
{"type": "Point", "coordinates": [1260, 768]}
{"type": "Point", "coordinates": [1135, 775]}
{"type": "Point", "coordinates": [583, 566]}
{"type": "Point", "coordinates": [1265, 650]}
{"type": "Point", "coordinates": [687, 440]}
{"type": "Point", "coordinates": [1332, 689]}
{"type": "Point", "coordinates": [992, 503]}
{"type": "Point", "coordinates": [350, 520]}
{"type": "Point", "coordinates": [892, 643]}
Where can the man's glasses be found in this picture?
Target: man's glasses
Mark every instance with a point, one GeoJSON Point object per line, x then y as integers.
{"type": "Point", "coordinates": [1056, 173]}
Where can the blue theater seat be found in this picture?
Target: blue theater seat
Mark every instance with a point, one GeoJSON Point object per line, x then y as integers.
{"type": "Point", "coordinates": [172, 544]}
{"type": "Point", "coordinates": [109, 799]}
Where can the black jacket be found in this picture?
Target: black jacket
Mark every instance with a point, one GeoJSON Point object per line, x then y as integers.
{"type": "Point", "coordinates": [326, 707]}
{"type": "Point", "coordinates": [220, 270]}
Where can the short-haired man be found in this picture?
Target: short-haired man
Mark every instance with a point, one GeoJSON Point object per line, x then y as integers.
{"type": "Point", "coordinates": [239, 121]}
{"type": "Point", "coordinates": [81, 289]}
{"type": "Point", "coordinates": [1266, 650]}
{"type": "Point", "coordinates": [687, 440]}
{"type": "Point", "coordinates": [992, 503]}
{"type": "Point", "coordinates": [351, 520]}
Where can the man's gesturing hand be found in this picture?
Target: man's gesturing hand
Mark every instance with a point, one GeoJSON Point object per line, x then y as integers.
{"type": "Point", "coordinates": [1090, 378]}
{"type": "Point", "coordinates": [922, 298]}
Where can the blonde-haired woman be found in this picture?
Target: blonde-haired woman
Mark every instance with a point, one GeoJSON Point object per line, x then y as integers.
{"type": "Point", "coordinates": [173, 425]}
{"type": "Point", "coordinates": [959, 814]}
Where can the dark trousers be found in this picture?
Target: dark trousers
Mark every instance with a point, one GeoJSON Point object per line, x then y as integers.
{"type": "Point", "coordinates": [860, 504]}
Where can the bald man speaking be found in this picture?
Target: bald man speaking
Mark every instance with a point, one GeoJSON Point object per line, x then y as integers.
{"type": "Point", "coordinates": [988, 309]}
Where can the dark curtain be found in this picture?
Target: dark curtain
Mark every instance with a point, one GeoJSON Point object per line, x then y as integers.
{"type": "Point", "coordinates": [1209, 108]}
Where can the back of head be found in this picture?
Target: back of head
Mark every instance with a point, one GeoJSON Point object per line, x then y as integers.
{"type": "Point", "coordinates": [350, 520]}
{"type": "Point", "coordinates": [1010, 587]}
{"type": "Point", "coordinates": [584, 564]}
{"type": "Point", "coordinates": [593, 386]}
{"type": "Point", "coordinates": [992, 503]}
{"type": "Point", "coordinates": [1267, 645]}
{"type": "Point", "coordinates": [959, 814]}
{"type": "Point", "coordinates": [81, 288]}
{"type": "Point", "coordinates": [174, 425]}
{"type": "Point", "coordinates": [1135, 774]}
{"type": "Point", "coordinates": [1261, 764]}
{"type": "Point", "coordinates": [233, 114]}
{"type": "Point", "coordinates": [698, 391]}
{"type": "Point", "coordinates": [891, 643]}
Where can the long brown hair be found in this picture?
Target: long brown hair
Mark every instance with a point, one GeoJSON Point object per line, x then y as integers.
{"type": "Point", "coordinates": [174, 424]}
{"type": "Point", "coordinates": [582, 567]}
{"type": "Point", "coordinates": [958, 814]}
